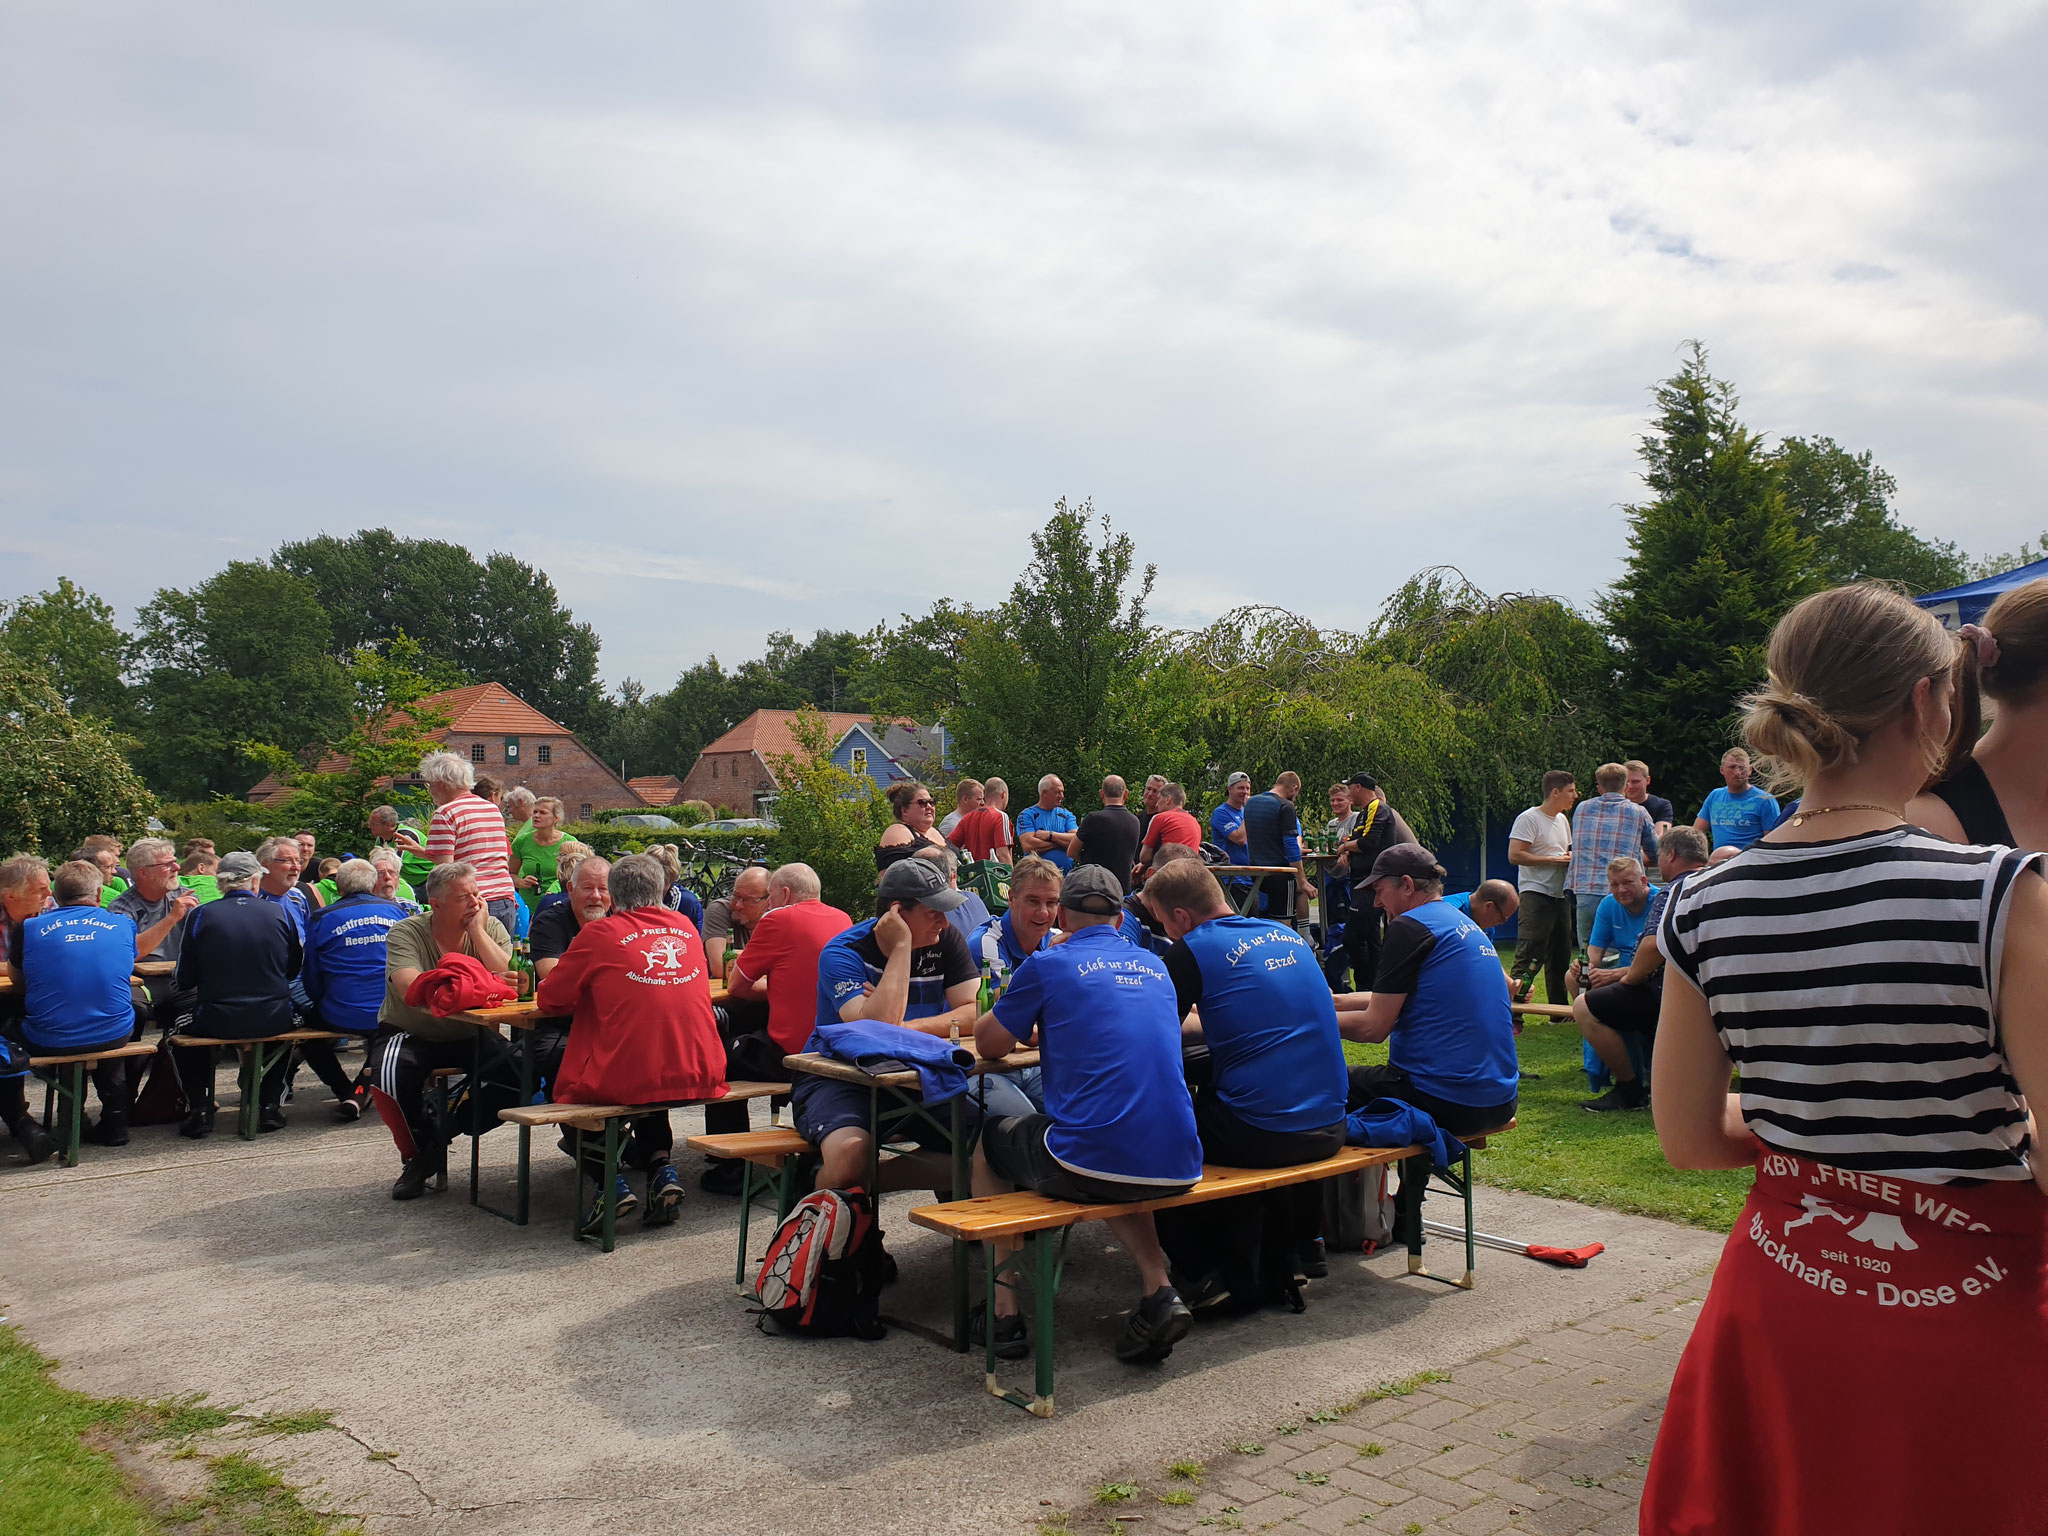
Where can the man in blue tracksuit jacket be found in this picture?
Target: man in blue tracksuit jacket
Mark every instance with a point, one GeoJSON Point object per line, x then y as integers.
{"type": "Point", "coordinates": [343, 974]}
{"type": "Point", "coordinates": [238, 961]}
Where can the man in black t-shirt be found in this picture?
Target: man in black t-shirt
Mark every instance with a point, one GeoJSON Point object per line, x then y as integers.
{"type": "Point", "coordinates": [1269, 821]}
{"type": "Point", "coordinates": [1109, 837]}
{"type": "Point", "coordinates": [1378, 828]}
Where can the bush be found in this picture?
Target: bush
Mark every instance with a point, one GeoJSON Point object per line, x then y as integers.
{"type": "Point", "coordinates": [616, 842]}
{"type": "Point", "coordinates": [828, 818]}
{"type": "Point", "coordinates": [232, 824]}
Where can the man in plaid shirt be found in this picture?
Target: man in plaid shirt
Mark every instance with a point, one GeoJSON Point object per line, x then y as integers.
{"type": "Point", "coordinates": [1609, 827]}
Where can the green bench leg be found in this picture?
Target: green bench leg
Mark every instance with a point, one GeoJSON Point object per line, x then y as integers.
{"type": "Point", "coordinates": [70, 1104]}
{"type": "Point", "coordinates": [739, 1263]}
{"type": "Point", "coordinates": [524, 1207]}
{"type": "Point", "coordinates": [1041, 1255]}
{"type": "Point", "coordinates": [252, 1077]}
{"type": "Point", "coordinates": [962, 1189]}
{"type": "Point", "coordinates": [1408, 1195]}
{"type": "Point", "coordinates": [611, 1181]}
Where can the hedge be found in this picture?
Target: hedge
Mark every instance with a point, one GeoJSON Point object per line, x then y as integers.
{"type": "Point", "coordinates": [613, 842]}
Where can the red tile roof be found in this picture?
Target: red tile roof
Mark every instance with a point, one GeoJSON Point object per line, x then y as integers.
{"type": "Point", "coordinates": [766, 732]}
{"type": "Point", "coordinates": [658, 789]}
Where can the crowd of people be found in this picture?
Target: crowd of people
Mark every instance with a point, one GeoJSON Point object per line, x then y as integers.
{"type": "Point", "coordinates": [1863, 957]}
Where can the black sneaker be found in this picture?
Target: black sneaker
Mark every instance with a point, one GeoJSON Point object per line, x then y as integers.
{"type": "Point", "coordinates": [38, 1143]}
{"type": "Point", "coordinates": [1629, 1095]}
{"type": "Point", "coordinates": [1011, 1344]}
{"type": "Point", "coordinates": [722, 1176]}
{"type": "Point", "coordinates": [413, 1179]}
{"type": "Point", "coordinates": [198, 1125]}
{"type": "Point", "coordinates": [352, 1107]}
{"type": "Point", "coordinates": [270, 1118]}
{"type": "Point", "coordinates": [1312, 1261]}
{"type": "Point", "coordinates": [1159, 1322]}
{"type": "Point", "coordinates": [110, 1130]}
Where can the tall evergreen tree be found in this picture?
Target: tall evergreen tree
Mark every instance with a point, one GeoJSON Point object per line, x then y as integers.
{"type": "Point", "coordinates": [1714, 560]}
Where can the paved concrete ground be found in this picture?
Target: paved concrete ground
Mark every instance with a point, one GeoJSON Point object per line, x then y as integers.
{"type": "Point", "coordinates": [528, 1384]}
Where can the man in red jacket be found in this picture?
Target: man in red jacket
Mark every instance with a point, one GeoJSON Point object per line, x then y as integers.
{"type": "Point", "coordinates": [636, 992]}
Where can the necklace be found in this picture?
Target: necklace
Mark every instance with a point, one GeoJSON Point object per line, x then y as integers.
{"type": "Point", "coordinates": [1799, 817]}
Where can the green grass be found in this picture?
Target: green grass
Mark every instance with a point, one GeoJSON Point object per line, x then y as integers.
{"type": "Point", "coordinates": [54, 1483]}
{"type": "Point", "coordinates": [1560, 1150]}
{"type": "Point", "coordinates": [51, 1482]}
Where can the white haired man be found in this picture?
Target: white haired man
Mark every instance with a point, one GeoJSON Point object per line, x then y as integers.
{"type": "Point", "coordinates": [467, 829]}
{"type": "Point", "coordinates": [1048, 828]}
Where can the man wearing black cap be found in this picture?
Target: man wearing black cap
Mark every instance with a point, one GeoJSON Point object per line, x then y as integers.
{"type": "Point", "coordinates": [1378, 828]}
{"type": "Point", "coordinates": [905, 965]}
{"type": "Point", "coordinates": [1439, 1001]}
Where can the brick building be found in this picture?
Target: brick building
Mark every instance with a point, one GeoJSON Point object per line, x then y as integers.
{"type": "Point", "coordinates": [516, 744]}
{"type": "Point", "coordinates": [736, 771]}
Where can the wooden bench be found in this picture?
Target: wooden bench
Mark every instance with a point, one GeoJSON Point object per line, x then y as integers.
{"type": "Point", "coordinates": [1459, 1182]}
{"type": "Point", "coordinates": [1543, 1010]}
{"type": "Point", "coordinates": [582, 1119]}
{"type": "Point", "coordinates": [1035, 1219]}
{"type": "Point", "coordinates": [778, 1150]}
{"type": "Point", "coordinates": [255, 1061]}
{"type": "Point", "coordinates": [56, 1089]}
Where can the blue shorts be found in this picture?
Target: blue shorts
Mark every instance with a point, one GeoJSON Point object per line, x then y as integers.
{"type": "Point", "coordinates": [822, 1105]}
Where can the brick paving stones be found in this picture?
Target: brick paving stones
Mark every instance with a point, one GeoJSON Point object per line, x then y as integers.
{"type": "Point", "coordinates": [1550, 1436]}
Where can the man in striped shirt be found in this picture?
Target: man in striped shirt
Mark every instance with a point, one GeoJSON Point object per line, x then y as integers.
{"type": "Point", "coordinates": [467, 829]}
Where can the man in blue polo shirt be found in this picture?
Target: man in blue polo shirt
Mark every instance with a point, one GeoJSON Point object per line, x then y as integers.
{"type": "Point", "coordinates": [1272, 1094]}
{"type": "Point", "coordinates": [1736, 816]}
{"type": "Point", "coordinates": [73, 969]}
{"type": "Point", "coordinates": [1118, 1126]}
{"type": "Point", "coordinates": [1226, 824]}
{"type": "Point", "coordinates": [1048, 828]}
{"type": "Point", "coordinates": [905, 965]}
{"type": "Point", "coordinates": [344, 975]}
{"type": "Point", "coordinates": [1439, 1001]}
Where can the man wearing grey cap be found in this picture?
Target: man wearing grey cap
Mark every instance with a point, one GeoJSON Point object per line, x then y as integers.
{"type": "Point", "coordinates": [905, 965]}
{"type": "Point", "coordinates": [1439, 1001]}
{"type": "Point", "coordinates": [237, 963]}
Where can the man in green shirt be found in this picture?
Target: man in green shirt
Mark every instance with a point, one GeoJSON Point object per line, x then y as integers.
{"type": "Point", "coordinates": [408, 843]}
{"type": "Point", "coordinates": [456, 919]}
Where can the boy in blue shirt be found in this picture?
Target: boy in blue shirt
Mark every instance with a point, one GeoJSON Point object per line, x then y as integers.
{"type": "Point", "coordinates": [1118, 1126]}
{"type": "Point", "coordinates": [1738, 815]}
{"type": "Point", "coordinates": [73, 970]}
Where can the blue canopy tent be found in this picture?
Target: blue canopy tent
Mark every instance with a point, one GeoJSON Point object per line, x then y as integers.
{"type": "Point", "coordinates": [1968, 603]}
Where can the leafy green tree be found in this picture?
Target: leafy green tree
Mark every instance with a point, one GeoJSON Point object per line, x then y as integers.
{"type": "Point", "coordinates": [822, 670]}
{"type": "Point", "coordinates": [828, 818]}
{"type": "Point", "coordinates": [1998, 565]}
{"type": "Point", "coordinates": [1842, 503]}
{"type": "Point", "coordinates": [1714, 559]}
{"type": "Point", "coordinates": [912, 672]}
{"type": "Point", "coordinates": [71, 634]}
{"type": "Point", "coordinates": [63, 777]}
{"type": "Point", "coordinates": [243, 657]}
{"type": "Point", "coordinates": [337, 783]}
{"type": "Point", "coordinates": [1047, 681]}
{"type": "Point", "coordinates": [1531, 677]}
{"type": "Point", "coordinates": [498, 620]}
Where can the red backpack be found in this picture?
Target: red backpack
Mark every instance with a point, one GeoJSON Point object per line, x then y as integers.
{"type": "Point", "coordinates": [824, 1269]}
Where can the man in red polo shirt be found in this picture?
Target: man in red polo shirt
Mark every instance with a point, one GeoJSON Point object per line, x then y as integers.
{"type": "Point", "coordinates": [1172, 824]}
{"type": "Point", "coordinates": [780, 963]}
{"type": "Point", "coordinates": [634, 987]}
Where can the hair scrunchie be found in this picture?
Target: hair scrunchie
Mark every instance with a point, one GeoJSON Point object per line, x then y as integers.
{"type": "Point", "coordinates": [1984, 641]}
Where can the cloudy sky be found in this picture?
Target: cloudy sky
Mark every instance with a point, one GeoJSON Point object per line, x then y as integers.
{"type": "Point", "coordinates": [747, 317]}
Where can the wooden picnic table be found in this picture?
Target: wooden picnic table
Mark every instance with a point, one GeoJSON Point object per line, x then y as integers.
{"type": "Point", "coordinates": [906, 1105]}
{"type": "Point", "coordinates": [525, 1014]}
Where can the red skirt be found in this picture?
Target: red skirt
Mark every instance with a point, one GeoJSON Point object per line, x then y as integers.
{"type": "Point", "coordinates": [1872, 1358]}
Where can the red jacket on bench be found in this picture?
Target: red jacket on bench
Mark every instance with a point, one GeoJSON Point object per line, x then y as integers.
{"type": "Point", "coordinates": [638, 999]}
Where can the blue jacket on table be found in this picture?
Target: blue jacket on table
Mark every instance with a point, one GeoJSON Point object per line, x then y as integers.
{"type": "Point", "coordinates": [240, 956]}
{"type": "Point", "coordinates": [941, 1066]}
{"type": "Point", "coordinates": [344, 965]}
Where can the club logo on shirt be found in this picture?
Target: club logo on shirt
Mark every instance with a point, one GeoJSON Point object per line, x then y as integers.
{"type": "Point", "coordinates": [664, 963]}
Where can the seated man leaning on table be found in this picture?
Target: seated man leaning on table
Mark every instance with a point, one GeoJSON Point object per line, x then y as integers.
{"type": "Point", "coordinates": [634, 985]}
{"type": "Point", "coordinates": [775, 983]}
{"type": "Point", "coordinates": [343, 973]}
{"type": "Point", "coordinates": [1118, 1126]}
{"type": "Point", "coordinates": [1271, 1083]}
{"type": "Point", "coordinates": [456, 922]}
{"type": "Point", "coordinates": [235, 965]}
{"type": "Point", "coordinates": [1439, 1001]}
{"type": "Point", "coordinates": [905, 965]}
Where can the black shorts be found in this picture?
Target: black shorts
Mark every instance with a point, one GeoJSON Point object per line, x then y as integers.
{"type": "Point", "coordinates": [1390, 1082]}
{"type": "Point", "coordinates": [1632, 1010]}
{"type": "Point", "coordinates": [1015, 1148]}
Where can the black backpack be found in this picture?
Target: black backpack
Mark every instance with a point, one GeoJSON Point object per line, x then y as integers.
{"type": "Point", "coordinates": [824, 1270]}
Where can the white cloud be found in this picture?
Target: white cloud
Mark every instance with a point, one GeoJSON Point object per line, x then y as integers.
{"type": "Point", "coordinates": [813, 314]}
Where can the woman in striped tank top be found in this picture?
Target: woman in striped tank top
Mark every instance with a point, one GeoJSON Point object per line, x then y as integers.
{"type": "Point", "coordinates": [1873, 1355]}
